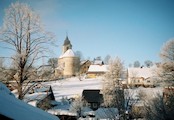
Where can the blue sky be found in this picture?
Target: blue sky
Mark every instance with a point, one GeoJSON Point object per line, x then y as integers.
{"type": "Point", "coordinates": [131, 29]}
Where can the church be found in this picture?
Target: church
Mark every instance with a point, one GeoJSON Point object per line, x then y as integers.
{"type": "Point", "coordinates": [68, 62]}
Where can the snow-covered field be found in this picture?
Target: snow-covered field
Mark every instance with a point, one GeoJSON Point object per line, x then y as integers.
{"type": "Point", "coordinates": [73, 87]}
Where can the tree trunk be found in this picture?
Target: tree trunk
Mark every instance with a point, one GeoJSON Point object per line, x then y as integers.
{"type": "Point", "coordinates": [20, 92]}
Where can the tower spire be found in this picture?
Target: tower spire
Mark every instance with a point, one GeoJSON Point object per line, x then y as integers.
{"type": "Point", "coordinates": [67, 36]}
{"type": "Point", "coordinates": [66, 33]}
{"type": "Point", "coordinates": [67, 44]}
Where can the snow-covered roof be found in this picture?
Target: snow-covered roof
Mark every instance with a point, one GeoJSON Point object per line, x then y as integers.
{"type": "Point", "coordinates": [98, 68]}
{"type": "Point", "coordinates": [86, 110]}
{"type": "Point", "coordinates": [149, 92]}
{"type": "Point", "coordinates": [83, 62]}
{"type": "Point", "coordinates": [102, 114]}
{"type": "Point", "coordinates": [68, 53]}
{"type": "Point", "coordinates": [141, 72]}
{"type": "Point", "coordinates": [61, 112]}
{"type": "Point", "coordinates": [14, 108]}
{"type": "Point", "coordinates": [106, 113]}
{"type": "Point", "coordinates": [42, 88]}
{"type": "Point", "coordinates": [35, 96]}
{"type": "Point", "coordinates": [98, 62]}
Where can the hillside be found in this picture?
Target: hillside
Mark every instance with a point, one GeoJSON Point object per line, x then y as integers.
{"type": "Point", "coordinates": [72, 87]}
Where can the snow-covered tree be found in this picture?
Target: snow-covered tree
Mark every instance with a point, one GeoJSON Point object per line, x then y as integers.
{"type": "Point", "coordinates": [22, 32]}
{"type": "Point", "coordinates": [160, 108]}
{"type": "Point", "coordinates": [112, 89]}
{"type": "Point", "coordinates": [167, 51]}
{"type": "Point", "coordinates": [77, 105]}
{"type": "Point", "coordinates": [166, 71]}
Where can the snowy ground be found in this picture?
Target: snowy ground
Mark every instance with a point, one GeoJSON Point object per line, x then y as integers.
{"type": "Point", "coordinates": [73, 87]}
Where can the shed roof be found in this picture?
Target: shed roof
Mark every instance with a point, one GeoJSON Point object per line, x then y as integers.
{"type": "Point", "coordinates": [92, 95]}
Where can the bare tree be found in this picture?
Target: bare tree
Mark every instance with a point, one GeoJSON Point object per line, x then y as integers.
{"type": "Point", "coordinates": [2, 69]}
{"type": "Point", "coordinates": [45, 72]}
{"type": "Point", "coordinates": [1, 62]}
{"type": "Point", "coordinates": [22, 32]}
{"type": "Point", "coordinates": [53, 62]}
{"type": "Point", "coordinates": [113, 92]}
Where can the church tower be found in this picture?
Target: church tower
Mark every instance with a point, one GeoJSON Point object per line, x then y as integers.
{"type": "Point", "coordinates": [68, 62]}
{"type": "Point", "coordinates": [67, 45]}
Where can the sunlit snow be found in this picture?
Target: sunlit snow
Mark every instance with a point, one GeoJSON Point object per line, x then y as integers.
{"type": "Point", "coordinates": [73, 87]}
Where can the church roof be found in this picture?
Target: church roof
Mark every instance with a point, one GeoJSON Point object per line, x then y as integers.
{"type": "Point", "coordinates": [68, 53]}
{"type": "Point", "coordinates": [67, 41]}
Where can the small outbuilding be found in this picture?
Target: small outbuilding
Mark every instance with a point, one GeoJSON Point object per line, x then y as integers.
{"type": "Point", "coordinates": [93, 98]}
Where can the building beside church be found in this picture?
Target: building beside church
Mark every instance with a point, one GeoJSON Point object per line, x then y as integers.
{"type": "Point", "coordinates": [84, 66]}
{"type": "Point", "coordinates": [68, 62]}
{"type": "Point", "coordinates": [97, 69]}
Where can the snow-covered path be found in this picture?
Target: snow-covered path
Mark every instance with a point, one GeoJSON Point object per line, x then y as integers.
{"type": "Point", "coordinates": [73, 86]}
